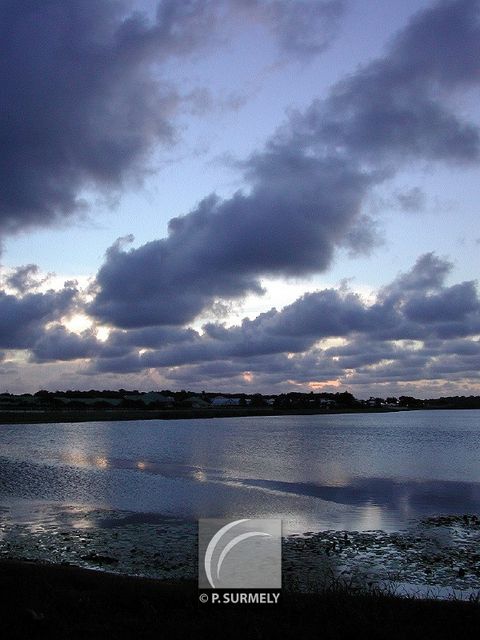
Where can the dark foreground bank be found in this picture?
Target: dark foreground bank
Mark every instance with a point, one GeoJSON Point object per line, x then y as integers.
{"type": "Point", "coordinates": [49, 601]}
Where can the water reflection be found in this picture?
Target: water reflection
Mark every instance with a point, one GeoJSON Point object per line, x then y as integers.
{"type": "Point", "coordinates": [39, 516]}
{"type": "Point", "coordinates": [315, 472]}
{"type": "Point", "coordinates": [406, 498]}
{"type": "Point", "coordinates": [443, 496]}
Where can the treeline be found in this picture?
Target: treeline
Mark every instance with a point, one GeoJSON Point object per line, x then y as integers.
{"type": "Point", "coordinates": [410, 402]}
{"type": "Point", "coordinates": [453, 402]}
{"type": "Point", "coordinates": [183, 399]}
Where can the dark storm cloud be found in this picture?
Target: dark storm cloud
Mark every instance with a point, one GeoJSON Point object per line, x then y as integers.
{"type": "Point", "coordinates": [289, 224]}
{"type": "Point", "coordinates": [83, 99]}
{"type": "Point", "coordinates": [442, 43]}
{"type": "Point", "coordinates": [23, 319]}
{"type": "Point", "coordinates": [321, 314]}
{"type": "Point", "coordinates": [452, 304]}
{"type": "Point", "coordinates": [399, 105]}
{"type": "Point", "coordinates": [151, 337]}
{"type": "Point", "coordinates": [59, 344]}
{"type": "Point", "coordinates": [417, 305]}
{"type": "Point", "coordinates": [81, 107]}
{"type": "Point", "coordinates": [308, 185]}
{"type": "Point", "coordinates": [129, 363]}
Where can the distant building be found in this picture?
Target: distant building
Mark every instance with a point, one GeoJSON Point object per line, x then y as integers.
{"type": "Point", "coordinates": [151, 397]}
{"type": "Point", "coordinates": [197, 402]}
{"type": "Point", "coordinates": [220, 401]}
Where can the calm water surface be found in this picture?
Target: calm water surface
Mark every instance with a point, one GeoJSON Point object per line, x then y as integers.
{"type": "Point", "coordinates": [357, 472]}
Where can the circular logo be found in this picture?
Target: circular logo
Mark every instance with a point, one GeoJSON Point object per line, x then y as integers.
{"type": "Point", "coordinates": [215, 541]}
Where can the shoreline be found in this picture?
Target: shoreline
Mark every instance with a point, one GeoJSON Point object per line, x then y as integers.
{"type": "Point", "coordinates": [120, 415]}
{"type": "Point", "coordinates": [117, 415]}
{"type": "Point", "coordinates": [61, 601]}
{"type": "Point", "coordinates": [436, 557]}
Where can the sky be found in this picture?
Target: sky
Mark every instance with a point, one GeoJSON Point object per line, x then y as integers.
{"type": "Point", "coordinates": [240, 196]}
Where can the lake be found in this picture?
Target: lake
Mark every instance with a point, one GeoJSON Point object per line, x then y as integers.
{"type": "Point", "coordinates": [343, 472]}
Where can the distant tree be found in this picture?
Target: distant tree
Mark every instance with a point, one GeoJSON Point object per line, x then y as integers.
{"type": "Point", "coordinates": [409, 401]}
{"type": "Point", "coordinates": [346, 398]}
{"type": "Point", "coordinates": [42, 394]}
{"type": "Point", "coordinates": [257, 400]}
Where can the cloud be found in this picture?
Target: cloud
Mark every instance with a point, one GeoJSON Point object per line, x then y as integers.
{"type": "Point", "coordinates": [302, 28]}
{"type": "Point", "coordinates": [25, 278]}
{"type": "Point", "coordinates": [411, 200]}
{"type": "Point", "coordinates": [57, 344]}
{"type": "Point", "coordinates": [398, 107]}
{"type": "Point", "coordinates": [288, 225]}
{"type": "Point", "coordinates": [82, 108]}
{"type": "Point", "coordinates": [151, 337]}
{"type": "Point", "coordinates": [84, 101]}
{"type": "Point", "coordinates": [417, 329]}
{"type": "Point", "coordinates": [428, 273]}
{"type": "Point", "coordinates": [23, 319]}
{"type": "Point", "coordinates": [307, 187]}
{"type": "Point", "coordinates": [363, 366]}
{"type": "Point", "coordinates": [303, 201]}
{"type": "Point", "coordinates": [453, 304]}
